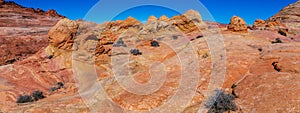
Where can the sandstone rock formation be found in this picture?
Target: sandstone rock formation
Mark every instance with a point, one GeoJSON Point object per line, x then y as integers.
{"type": "Point", "coordinates": [77, 49]}
{"type": "Point", "coordinates": [269, 25]}
{"type": "Point", "coordinates": [62, 34]}
{"type": "Point", "coordinates": [189, 22]}
{"type": "Point", "coordinates": [237, 24]}
{"type": "Point", "coordinates": [163, 18]}
{"type": "Point", "coordinates": [259, 24]}
{"type": "Point", "coordinates": [23, 31]}
{"type": "Point", "coordinates": [290, 17]}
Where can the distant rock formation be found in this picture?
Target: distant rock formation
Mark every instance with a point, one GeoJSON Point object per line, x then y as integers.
{"type": "Point", "coordinates": [290, 17]}
{"type": "Point", "coordinates": [268, 25]}
{"type": "Point", "coordinates": [23, 31]}
{"type": "Point", "coordinates": [163, 18]}
{"type": "Point", "coordinates": [237, 24]}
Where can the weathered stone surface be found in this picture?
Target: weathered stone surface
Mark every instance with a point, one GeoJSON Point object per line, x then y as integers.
{"type": "Point", "coordinates": [290, 17]}
{"type": "Point", "coordinates": [237, 24]}
{"type": "Point", "coordinates": [62, 34]}
{"type": "Point", "coordinates": [23, 31]}
{"type": "Point", "coordinates": [163, 18]}
{"type": "Point", "coordinates": [259, 24]}
{"type": "Point", "coordinates": [249, 59]}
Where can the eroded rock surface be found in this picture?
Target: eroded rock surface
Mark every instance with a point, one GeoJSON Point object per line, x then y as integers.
{"type": "Point", "coordinates": [290, 17]}
{"type": "Point", "coordinates": [83, 56]}
{"type": "Point", "coordinates": [23, 31]}
{"type": "Point", "coordinates": [237, 24]}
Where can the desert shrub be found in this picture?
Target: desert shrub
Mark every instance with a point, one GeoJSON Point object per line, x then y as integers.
{"type": "Point", "coordinates": [135, 52]}
{"type": "Point", "coordinates": [174, 37]}
{"type": "Point", "coordinates": [10, 61]}
{"type": "Point", "coordinates": [282, 33]}
{"type": "Point", "coordinates": [53, 89]}
{"type": "Point", "coordinates": [277, 40]}
{"type": "Point", "coordinates": [60, 85]}
{"type": "Point", "coordinates": [154, 43]}
{"type": "Point", "coordinates": [24, 99]}
{"type": "Point", "coordinates": [221, 102]}
{"type": "Point", "coordinates": [37, 95]}
{"type": "Point", "coordinates": [50, 56]}
{"type": "Point", "coordinates": [120, 43]}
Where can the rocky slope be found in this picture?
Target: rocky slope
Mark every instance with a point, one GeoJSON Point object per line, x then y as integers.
{"type": "Point", "coordinates": [289, 16]}
{"type": "Point", "coordinates": [23, 31]}
{"type": "Point", "coordinates": [94, 62]}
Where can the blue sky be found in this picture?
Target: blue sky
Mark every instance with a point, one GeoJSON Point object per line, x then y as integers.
{"type": "Point", "coordinates": [221, 10]}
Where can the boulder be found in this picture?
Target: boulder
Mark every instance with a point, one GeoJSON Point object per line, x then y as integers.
{"type": "Point", "coordinates": [259, 23]}
{"type": "Point", "coordinates": [63, 33]}
{"type": "Point", "coordinates": [237, 24]}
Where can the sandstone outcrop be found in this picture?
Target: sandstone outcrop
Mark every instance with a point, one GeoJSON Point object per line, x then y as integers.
{"type": "Point", "coordinates": [163, 18]}
{"type": "Point", "coordinates": [268, 25]}
{"type": "Point", "coordinates": [189, 22]}
{"type": "Point", "coordinates": [23, 31]}
{"type": "Point", "coordinates": [259, 24]}
{"type": "Point", "coordinates": [290, 17]}
{"type": "Point", "coordinates": [81, 48]}
{"type": "Point", "coordinates": [237, 24]}
{"type": "Point", "coordinates": [62, 34]}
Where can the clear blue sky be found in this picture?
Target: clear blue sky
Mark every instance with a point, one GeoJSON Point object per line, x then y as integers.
{"type": "Point", "coordinates": [221, 10]}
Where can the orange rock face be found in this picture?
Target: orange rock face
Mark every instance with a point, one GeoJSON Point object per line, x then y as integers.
{"type": "Point", "coordinates": [259, 24]}
{"type": "Point", "coordinates": [101, 73]}
{"type": "Point", "coordinates": [237, 24]}
{"type": "Point", "coordinates": [23, 31]}
{"type": "Point", "coordinates": [62, 34]}
{"type": "Point", "coordinates": [289, 16]}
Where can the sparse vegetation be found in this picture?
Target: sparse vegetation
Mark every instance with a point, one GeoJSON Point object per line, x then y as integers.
{"type": "Point", "coordinates": [233, 86]}
{"type": "Point", "coordinates": [174, 37]}
{"type": "Point", "coordinates": [221, 102]}
{"type": "Point", "coordinates": [10, 61]}
{"type": "Point", "coordinates": [24, 99]}
{"type": "Point", "coordinates": [154, 43]}
{"type": "Point", "coordinates": [277, 40]}
{"type": "Point", "coordinates": [159, 38]}
{"type": "Point", "coordinates": [135, 52]}
{"type": "Point", "coordinates": [282, 32]}
{"type": "Point", "coordinates": [53, 89]}
{"type": "Point", "coordinates": [37, 95]}
{"type": "Point", "coordinates": [50, 56]}
{"type": "Point", "coordinates": [59, 86]}
{"type": "Point", "coordinates": [120, 43]}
